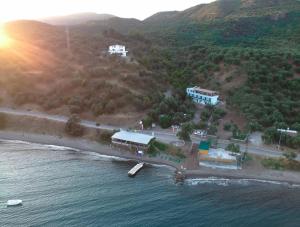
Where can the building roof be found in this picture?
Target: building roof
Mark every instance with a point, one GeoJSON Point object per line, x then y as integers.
{"type": "Point", "coordinates": [221, 154]}
{"type": "Point", "coordinates": [206, 91]}
{"type": "Point", "coordinates": [133, 137]}
{"type": "Point", "coordinates": [204, 145]}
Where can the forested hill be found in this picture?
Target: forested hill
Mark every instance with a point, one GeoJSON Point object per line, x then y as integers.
{"type": "Point", "coordinates": [247, 23]}
{"type": "Point", "coordinates": [249, 50]}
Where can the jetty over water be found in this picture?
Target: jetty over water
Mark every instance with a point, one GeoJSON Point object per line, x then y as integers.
{"type": "Point", "coordinates": [136, 169]}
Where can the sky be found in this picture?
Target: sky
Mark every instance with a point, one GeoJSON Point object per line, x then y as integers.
{"type": "Point", "coordinates": [140, 9]}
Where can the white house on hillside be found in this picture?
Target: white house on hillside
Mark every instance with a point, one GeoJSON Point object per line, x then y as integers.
{"type": "Point", "coordinates": [203, 96]}
{"type": "Point", "coordinates": [118, 49]}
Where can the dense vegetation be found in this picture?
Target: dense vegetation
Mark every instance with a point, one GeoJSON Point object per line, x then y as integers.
{"type": "Point", "coordinates": [253, 61]}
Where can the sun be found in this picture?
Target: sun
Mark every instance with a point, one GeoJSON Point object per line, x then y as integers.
{"type": "Point", "coordinates": [5, 41]}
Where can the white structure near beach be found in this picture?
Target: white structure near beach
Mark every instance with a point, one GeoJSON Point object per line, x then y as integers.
{"type": "Point", "coordinates": [118, 50]}
{"type": "Point", "coordinates": [219, 158]}
{"type": "Point", "coordinates": [132, 139]}
{"type": "Point", "coordinates": [203, 96]}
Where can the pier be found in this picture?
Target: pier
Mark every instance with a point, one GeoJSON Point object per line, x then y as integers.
{"type": "Point", "coordinates": [136, 169]}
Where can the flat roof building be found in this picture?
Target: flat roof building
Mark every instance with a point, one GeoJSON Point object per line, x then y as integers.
{"type": "Point", "coordinates": [132, 139]}
{"type": "Point", "coordinates": [218, 158]}
{"type": "Point", "coordinates": [203, 96]}
{"type": "Point", "coordinates": [118, 50]}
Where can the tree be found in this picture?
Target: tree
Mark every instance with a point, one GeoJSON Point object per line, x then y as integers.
{"type": "Point", "coordinates": [185, 132]}
{"type": "Point", "coordinates": [73, 127]}
{"type": "Point", "coordinates": [165, 121]}
{"type": "Point", "coordinates": [147, 122]}
{"type": "Point", "coordinates": [269, 135]}
{"type": "Point", "coordinates": [290, 155]}
{"type": "Point", "coordinates": [212, 130]}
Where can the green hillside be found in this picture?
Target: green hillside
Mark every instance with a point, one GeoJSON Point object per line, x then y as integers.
{"type": "Point", "coordinates": [247, 50]}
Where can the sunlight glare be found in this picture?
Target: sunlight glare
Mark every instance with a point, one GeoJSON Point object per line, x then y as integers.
{"type": "Point", "coordinates": [5, 41]}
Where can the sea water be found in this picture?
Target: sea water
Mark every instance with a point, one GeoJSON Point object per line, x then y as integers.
{"type": "Point", "coordinates": [65, 187]}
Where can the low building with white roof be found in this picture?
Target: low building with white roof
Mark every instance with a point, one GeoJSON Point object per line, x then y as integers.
{"type": "Point", "coordinates": [132, 139]}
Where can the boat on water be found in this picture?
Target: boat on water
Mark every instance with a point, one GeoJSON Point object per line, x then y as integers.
{"type": "Point", "coordinates": [14, 202]}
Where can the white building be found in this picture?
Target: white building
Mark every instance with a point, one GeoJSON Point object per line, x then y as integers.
{"type": "Point", "coordinates": [219, 158]}
{"type": "Point", "coordinates": [203, 96]}
{"type": "Point", "coordinates": [118, 50]}
{"type": "Point", "coordinates": [132, 139]}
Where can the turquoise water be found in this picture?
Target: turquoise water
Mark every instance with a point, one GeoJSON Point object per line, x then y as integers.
{"type": "Point", "coordinates": [63, 187]}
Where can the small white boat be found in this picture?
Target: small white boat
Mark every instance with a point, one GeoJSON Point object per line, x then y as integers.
{"type": "Point", "coordinates": [14, 202]}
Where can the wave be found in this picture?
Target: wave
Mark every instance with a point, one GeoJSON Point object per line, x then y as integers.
{"type": "Point", "coordinates": [105, 157]}
{"type": "Point", "coordinates": [228, 181]}
{"type": "Point", "coordinates": [60, 148]}
{"type": "Point", "coordinates": [14, 142]}
{"type": "Point", "coordinates": [161, 166]}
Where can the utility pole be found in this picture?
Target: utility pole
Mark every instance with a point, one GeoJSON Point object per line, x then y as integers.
{"type": "Point", "coordinates": [279, 140]}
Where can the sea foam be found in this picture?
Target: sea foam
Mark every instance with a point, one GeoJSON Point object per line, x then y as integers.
{"type": "Point", "coordinates": [228, 181]}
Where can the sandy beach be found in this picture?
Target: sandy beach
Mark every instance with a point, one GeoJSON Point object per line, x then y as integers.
{"type": "Point", "coordinates": [202, 172]}
{"type": "Point", "coordinates": [81, 144]}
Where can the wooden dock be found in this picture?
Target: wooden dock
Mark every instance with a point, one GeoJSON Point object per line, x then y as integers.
{"type": "Point", "coordinates": [136, 169]}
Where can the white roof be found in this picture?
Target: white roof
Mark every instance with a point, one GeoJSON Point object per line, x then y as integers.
{"type": "Point", "coordinates": [133, 137]}
{"type": "Point", "coordinates": [220, 154]}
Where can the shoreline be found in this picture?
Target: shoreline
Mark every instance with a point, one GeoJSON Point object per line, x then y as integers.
{"type": "Point", "coordinates": [84, 145]}
{"type": "Point", "coordinates": [87, 145]}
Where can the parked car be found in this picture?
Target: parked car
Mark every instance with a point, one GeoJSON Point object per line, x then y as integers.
{"type": "Point", "coordinates": [201, 133]}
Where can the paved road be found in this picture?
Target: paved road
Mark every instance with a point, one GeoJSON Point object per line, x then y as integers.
{"type": "Point", "coordinates": [167, 137]}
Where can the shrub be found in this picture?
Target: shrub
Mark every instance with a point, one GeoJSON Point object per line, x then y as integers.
{"type": "Point", "coordinates": [291, 155]}
{"type": "Point", "coordinates": [235, 148]}
{"type": "Point", "coordinates": [160, 146]}
{"type": "Point", "coordinates": [273, 163]}
{"type": "Point", "coordinates": [105, 136]}
{"type": "Point", "coordinates": [73, 127]}
{"type": "Point", "coordinates": [227, 126]}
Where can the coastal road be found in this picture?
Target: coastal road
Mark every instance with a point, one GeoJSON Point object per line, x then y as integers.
{"type": "Point", "coordinates": [167, 137]}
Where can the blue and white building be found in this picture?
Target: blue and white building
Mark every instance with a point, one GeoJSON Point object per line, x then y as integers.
{"type": "Point", "coordinates": [203, 96]}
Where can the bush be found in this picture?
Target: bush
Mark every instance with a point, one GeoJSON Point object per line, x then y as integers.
{"type": "Point", "coordinates": [160, 146]}
{"type": "Point", "coordinates": [273, 163]}
{"type": "Point", "coordinates": [235, 148]}
{"type": "Point", "coordinates": [73, 127]}
{"type": "Point", "coordinates": [105, 136]}
{"type": "Point", "coordinates": [291, 155]}
{"type": "Point", "coordinates": [227, 126]}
